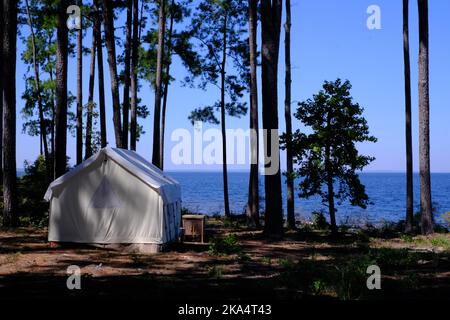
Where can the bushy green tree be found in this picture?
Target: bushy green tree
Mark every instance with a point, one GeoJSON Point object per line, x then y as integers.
{"type": "Point", "coordinates": [219, 28]}
{"type": "Point", "coordinates": [40, 48]}
{"type": "Point", "coordinates": [327, 158]}
{"type": "Point", "coordinates": [31, 190]}
{"type": "Point", "coordinates": [32, 186]}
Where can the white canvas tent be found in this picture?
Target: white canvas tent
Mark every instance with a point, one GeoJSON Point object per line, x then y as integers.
{"type": "Point", "coordinates": [115, 197]}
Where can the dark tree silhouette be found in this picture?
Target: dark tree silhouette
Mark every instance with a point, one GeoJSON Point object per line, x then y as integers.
{"type": "Point", "coordinates": [327, 158]}
{"type": "Point", "coordinates": [253, 192]}
{"type": "Point", "coordinates": [228, 19]}
{"type": "Point", "coordinates": [61, 90]}
{"type": "Point", "coordinates": [108, 23]}
{"type": "Point", "coordinates": [134, 80]}
{"type": "Point", "coordinates": [80, 91]}
{"type": "Point", "coordinates": [408, 134]}
{"type": "Point", "coordinates": [156, 159]}
{"type": "Point", "coordinates": [166, 81]}
{"type": "Point", "coordinates": [178, 43]}
{"type": "Point", "coordinates": [424, 121]}
{"type": "Point", "coordinates": [1, 94]}
{"type": "Point", "coordinates": [101, 82]}
{"type": "Point", "coordinates": [288, 117]}
{"type": "Point", "coordinates": [37, 83]}
{"type": "Point", "coordinates": [90, 105]}
{"type": "Point", "coordinates": [8, 74]}
{"type": "Point", "coordinates": [271, 27]}
{"type": "Point", "coordinates": [126, 80]}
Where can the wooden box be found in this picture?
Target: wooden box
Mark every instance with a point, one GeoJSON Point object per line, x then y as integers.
{"type": "Point", "coordinates": [193, 227]}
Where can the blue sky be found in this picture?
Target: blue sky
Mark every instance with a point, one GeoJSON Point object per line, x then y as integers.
{"type": "Point", "coordinates": [329, 40]}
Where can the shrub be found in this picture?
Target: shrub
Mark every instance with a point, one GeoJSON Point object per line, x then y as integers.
{"type": "Point", "coordinates": [318, 287]}
{"type": "Point", "coordinates": [224, 246]}
{"type": "Point", "coordinates": [286, 263]}
{"type": "Point", "coordinates": [351, 278]}
{"type": "Point", "coordinates": [394, 258]}
{"type": "Point", "coordinates": [31, 189]}
{"type": "Point", "coordinates": [407, 238]}
{"type": "Point", "coordinates": [215, 271]}
{"type": "Point", "coordinates": [319, 221]}
{"type": "Point", "coordinates": [441, 241]}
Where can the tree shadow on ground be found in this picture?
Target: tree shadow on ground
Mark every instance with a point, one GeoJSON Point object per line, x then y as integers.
{"type": "Point", "coordinates": [301, 266]}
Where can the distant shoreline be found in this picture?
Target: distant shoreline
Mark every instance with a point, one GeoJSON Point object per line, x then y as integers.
{"type": "Point", "coordinates": [21, 172]}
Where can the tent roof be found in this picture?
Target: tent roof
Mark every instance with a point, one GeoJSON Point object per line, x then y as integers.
{"type": "Point", "coordinates": [168, 188]}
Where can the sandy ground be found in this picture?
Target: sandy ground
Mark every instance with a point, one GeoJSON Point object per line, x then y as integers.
{"type": "Point", "coordinates": [30, 267]}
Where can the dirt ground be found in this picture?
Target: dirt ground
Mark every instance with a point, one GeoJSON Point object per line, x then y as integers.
{"type": "Point", "coordinates": [299, 266]}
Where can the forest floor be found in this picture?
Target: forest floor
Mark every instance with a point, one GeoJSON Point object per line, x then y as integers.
{"type": "Point", "coordinates": [305, 264]}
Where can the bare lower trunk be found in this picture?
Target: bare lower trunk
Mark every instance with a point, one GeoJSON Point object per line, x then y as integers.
{"type": "Point", "coordinates": [271, 25]}
{"type": "Point", "coordinates": [288, 117]}
{"type": "Point", "coordinates": [88, 143]}
{"type": "Point", "coordinates": [108, 23]}
{"type": "Point", "coordinates": [52, 122]}
{"type": "Point", "coordinates": [330, 190]}
{"type": "Point", "coordinates": [408, 135]}
{"type": "Point", "coordinates": [101, 84]}
{"type": "Point", "coordinates": [159, 63]}
{"type": "Point", "coordinates": [331, 205]}
{"type": "Point", "coordinates": [222, 122]}
{"type": "Point", "coordinates": [424, 121]}
{"type": "Point", "coordinates": [37, 82]}
{"type": "Point", "coordinates": [166, 87]}
{"type": "Point", "coordinates": [61, 91]}
{"type": "Point", "coordinates": [126, 87]}
{"type": "Point", "coordinates": [1, 94]}
{"type": "Point", "coordinates": [80, 92]}
{"type": "Point", "coordinates": [8, 74]}
{"type": "Point", "coordinates": [253, 193]}
{"type": "Point", "coordinates": [134, 84]}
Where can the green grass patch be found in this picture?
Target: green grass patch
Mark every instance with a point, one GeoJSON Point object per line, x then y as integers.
{"type": "Point", "coordinates": [440, 241]}
{"type": "Point", "coordinates": [215, 271]}
{"type": "Point", "coordinates": [224, 246]}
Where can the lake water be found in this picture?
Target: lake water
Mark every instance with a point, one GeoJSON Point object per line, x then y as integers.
{"type": "Point", "coordinates": [203, 193]}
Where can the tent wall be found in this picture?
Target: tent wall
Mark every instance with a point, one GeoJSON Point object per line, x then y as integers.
{"type": "Point", "coordinates": [104, 203]}
{"type": "Point", "coordinates": [172, 221]}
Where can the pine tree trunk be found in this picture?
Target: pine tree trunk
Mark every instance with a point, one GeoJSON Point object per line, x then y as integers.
{"type": "Point", "coordinates": [253, 194]}
{"type": "Point", "coordinates": [408, 132]}
{"type": "Point", "coordinates": [330, 189]}
{"type": "Point", "coordinates": [8, 74]}
{"type": "Point", "coordinates": [108, 23]}
{"type": "Point", "coordinates": [1, 94]}
{"type": "Point", "coordinates": [159, 63]}
{"type": "Point", "coordinates": [101, 83]}
{"type": "Point", "coordinates": [271, 25]}
{"type": "Point", "coordinates": [42, 127]}
{"type": "Point", "coordinates": [166, 85]}
{"type": "Point", "coordinates": [52, 121]}
{"type": "Point", "coordinates": [88, 143]}
{"type": "Point", "coordinates": [80, 91]}
{"type": "Point", "coordinates": [126, 87]}
{"type": "Point", "coordinates": [288, 117]}
{"type": "Point", "coordinates": [424, 121]}
{"type": "Point", "coordinates": [134, 84]}
{"type": "Point", "coordinates": [222, 121]}
{"type": "Point", "coordinates": [61, 91]}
